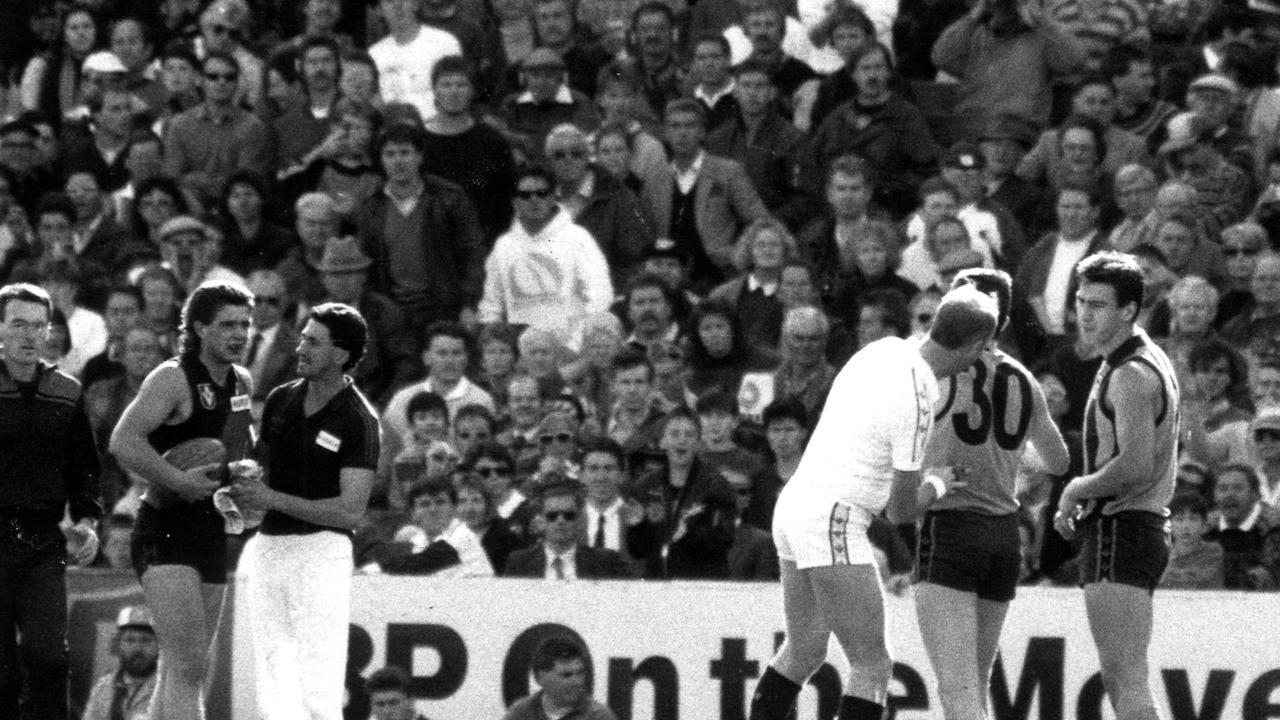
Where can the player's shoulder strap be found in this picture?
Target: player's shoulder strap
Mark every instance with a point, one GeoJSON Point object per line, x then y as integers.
{"type": "Point", "coordinates": [1132, 351]}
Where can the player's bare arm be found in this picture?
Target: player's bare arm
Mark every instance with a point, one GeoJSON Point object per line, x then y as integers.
{"type": "Point", "coordinates": [163, 398]}
{"type": "Point", "coordinates": [1133, 391]}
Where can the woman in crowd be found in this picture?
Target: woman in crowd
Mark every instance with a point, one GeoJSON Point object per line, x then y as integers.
{"type": "Point", "coordinates": [762, 251]}
{"type": "Point", "coordinates": [250, 240]}
{"type": "Point", "coordinates": [159, 200]}
{"type": "Point", "coordinates": [1216, 429]}
{"type": "Point", "coordinates": [52, 83]}
{"type": "Point", "coordinates": [718, 352]}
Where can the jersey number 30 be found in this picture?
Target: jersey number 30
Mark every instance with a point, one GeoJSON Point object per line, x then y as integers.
{"type": "Point", "coordinates": [992, 411]}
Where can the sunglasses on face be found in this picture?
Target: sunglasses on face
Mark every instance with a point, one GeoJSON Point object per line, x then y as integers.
{"type": "Point", "coordinates": [1230, 251]}
{"type": "Point", "coordinates": [224, 77]}
{"type": "Point", "coordinates": [566, 515]}
{"type": "Point", "coordinates": [488, 472]}
{"type": "Point", "coordinates": [532, 194]}
{"type": "Point", "coordinates": [563, 154]}
{"type": "Point", "coordinates": [1266, 435]}
{"type": "Point", "coordinates": [558, 437]}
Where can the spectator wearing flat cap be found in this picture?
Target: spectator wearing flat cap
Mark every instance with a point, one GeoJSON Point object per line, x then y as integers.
{"type": "Point", "coordinates": [190, 249]}
{"type": "Point", "coordinates": [545, 102]}
{"type": "Point", "coordinates": [1004, 140]}
{"type": "Point", "coordinates": [1224, 192]}
{"type": "Point", "coordinates": [125, 693]}
{"type": "Point", "coordinates": [1215, 98]}
{"type": "Point", "coordinates": [388, 360]}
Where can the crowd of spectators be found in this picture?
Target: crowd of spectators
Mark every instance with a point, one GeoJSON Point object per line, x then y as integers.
{"type": "Point", "coordinates": [612, 254]}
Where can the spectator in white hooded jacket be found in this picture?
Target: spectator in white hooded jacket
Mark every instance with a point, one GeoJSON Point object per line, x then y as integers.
{"type": "Point", "coordinates": [544, 271]}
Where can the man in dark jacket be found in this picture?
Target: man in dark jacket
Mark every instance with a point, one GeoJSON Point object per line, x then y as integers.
{"type": "Point", "coordinates": [50, 465]}
{"type": "Point", "coordinates": [563, 553]}
{"type": "Point", "coordinates": [423, 237]}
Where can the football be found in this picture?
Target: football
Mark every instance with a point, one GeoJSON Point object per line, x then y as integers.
{"type": "Point", "coordinates": [196, 452]}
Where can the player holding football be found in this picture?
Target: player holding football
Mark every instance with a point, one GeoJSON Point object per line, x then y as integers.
{"type": "Point", "coordinates": [969, 551]}
{"type": "Point", "coordinates": [1119, 506]}
{"type": "Point", "coordinates": [866, 454]}
{"type": "Point", "coordinates": [179, 544]}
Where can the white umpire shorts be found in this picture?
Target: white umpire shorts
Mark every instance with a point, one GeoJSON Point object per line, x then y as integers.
{"type": "Point", "coordinates": [816, 532]}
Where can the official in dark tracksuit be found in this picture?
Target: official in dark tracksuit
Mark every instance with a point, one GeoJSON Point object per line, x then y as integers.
{"type": "Point", "coordinates": [47, 461]}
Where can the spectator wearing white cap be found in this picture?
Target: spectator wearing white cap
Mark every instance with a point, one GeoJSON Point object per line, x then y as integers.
{"type": "Point", "coordinates": [125, 694]}
{"type": "Point", "coordinates": [1264, 444]}
{"type": "Point", "coordinates": [1215, 98]}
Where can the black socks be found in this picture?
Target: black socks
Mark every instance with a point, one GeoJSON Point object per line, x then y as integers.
{"type": "Point", "coordinates": [856, 708]}
{"type": "Point", "coordinates": [774, 698]}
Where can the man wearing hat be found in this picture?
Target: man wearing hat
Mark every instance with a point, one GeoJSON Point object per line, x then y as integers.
{"type": "Point", "coordinates": [1215, 98]}
{"type": "Point", "coordinates": [407, 54]}
{"type": "Point", "coordinates": [1003, 142]}
{"type": "Point", "coordinates": [191, 249]}
{"type": "Point", "coordinates": [1223, 190]}
{"type": "Point", "coordinates": [546, 101]}
{"type": "Point", "coordinates": [388, 361]}
{"type": "Point", "coordinates": [125, 694]}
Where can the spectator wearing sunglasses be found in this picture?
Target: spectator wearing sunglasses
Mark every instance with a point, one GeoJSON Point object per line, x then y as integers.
{"type": "Point", "coordinates": [546, 270]}
{"type": "Point", "coordinates": [1242, 245]}
{"type": "Point", "coordinates": [494, 464]}
{"type": "Point", "coordinates": [209, 142]}
{"type": "Point", "coordinates": [563, 553]}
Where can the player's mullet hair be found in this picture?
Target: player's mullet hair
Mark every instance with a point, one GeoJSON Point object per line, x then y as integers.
{"type": "Point", "coordinates": [1119, 270]}
{"type": "Point", "coordinates": [202, 307]}
{"type": "Point", "coordinates": [965, 315]}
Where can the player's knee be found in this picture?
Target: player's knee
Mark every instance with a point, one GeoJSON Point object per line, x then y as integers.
{"type": "Point", "coordinates": [802, 658]}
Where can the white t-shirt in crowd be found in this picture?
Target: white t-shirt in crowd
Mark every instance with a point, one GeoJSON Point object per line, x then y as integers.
{"type": "Point", "coordinates": [404, 71]}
